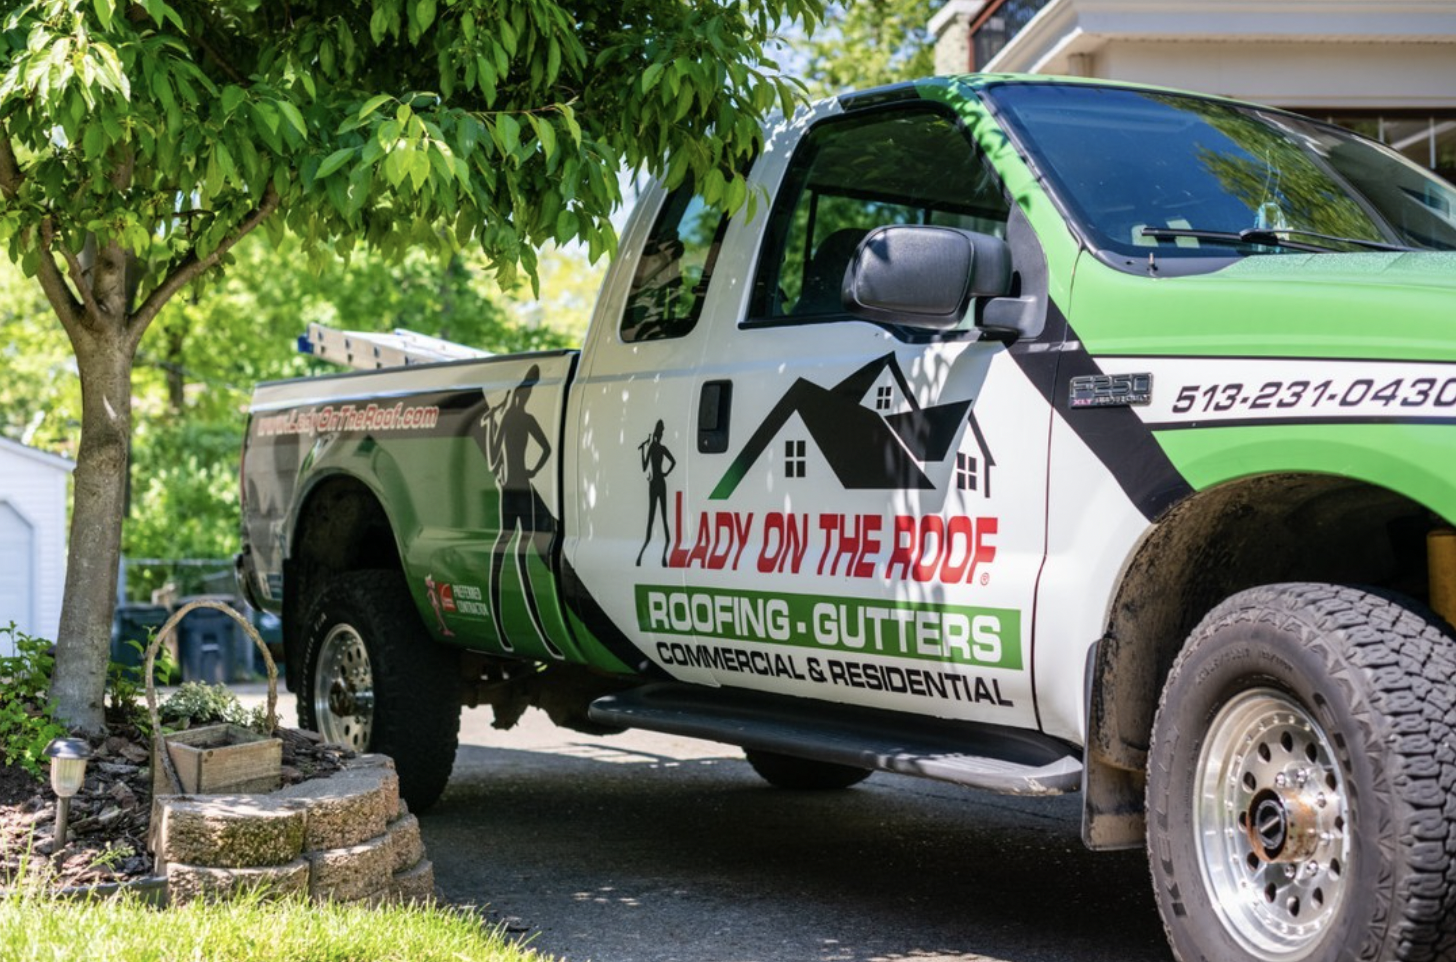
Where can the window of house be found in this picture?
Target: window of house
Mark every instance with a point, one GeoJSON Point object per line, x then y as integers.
{"type": "Point", "coordinates": [795, 459]}
{"type": "Point", "coordinates": [966, 472]}
{"type": "Point", "coordinates": [899, 166]}
{"type": "Point", "coordinates": [670, 283]}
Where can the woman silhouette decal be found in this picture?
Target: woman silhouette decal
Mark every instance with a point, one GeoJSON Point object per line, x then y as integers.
{"type": "Point", "coordinates": [654, 454]}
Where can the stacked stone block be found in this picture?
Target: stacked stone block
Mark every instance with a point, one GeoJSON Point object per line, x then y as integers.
{"type": "Point", "coordinates": [344, 838]}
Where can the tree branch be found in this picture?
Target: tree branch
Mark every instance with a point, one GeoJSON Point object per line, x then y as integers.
{"type": "Point", "coordinates": [192, 266]}
{"type": "Point", "coordinates": [80, 282]}
{"type": "Point", "coordinates": [222, 62]}
{"type": "Point", "coordinates": [10, 176]}
{"type": "Point", "coordinates": [62, 301]}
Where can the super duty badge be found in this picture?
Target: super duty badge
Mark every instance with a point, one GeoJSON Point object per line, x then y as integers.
{"type": "Point", "coordinates": [1111, 390]}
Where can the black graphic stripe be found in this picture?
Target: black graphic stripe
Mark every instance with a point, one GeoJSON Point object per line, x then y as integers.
{"type": "Point", "coordinates": [578, 598]}
{"type": "Point", "coordinates": [1116, 435]}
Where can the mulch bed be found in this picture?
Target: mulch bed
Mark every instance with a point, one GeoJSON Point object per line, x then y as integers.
{"type": "Point", "coordinates": [110, 816]}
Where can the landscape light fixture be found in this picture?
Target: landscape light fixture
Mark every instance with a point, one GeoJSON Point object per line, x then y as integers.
{"type": "Point", "coordinates": [68, 771]}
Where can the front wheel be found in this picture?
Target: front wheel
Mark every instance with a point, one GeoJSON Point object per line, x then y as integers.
{"type": "Point", "coordinates": [375, 681]}
{"type": "Point", "coordinates": [1301, 760]}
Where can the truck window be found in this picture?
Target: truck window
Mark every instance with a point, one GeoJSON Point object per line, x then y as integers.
{"type": "Point", "coordinates": [1124, 162]}
{"type": "Point", "coordinates": [852, 174]}
{"type": "Point", "coordinates": [671, 280]}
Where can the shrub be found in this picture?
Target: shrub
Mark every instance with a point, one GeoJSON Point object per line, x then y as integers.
{"type": "Point", "coordinates": [27, 715]}
{"type": "Point", "coordinates": [195, 703]}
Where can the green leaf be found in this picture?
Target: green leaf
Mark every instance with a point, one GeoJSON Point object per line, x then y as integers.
{"type": "Point", "coordinates": [93, 142]}
{"type": "Point", "coordinates": [651, 75]}
{"type": "Point", "coordinates": [336, 160]}
{"type": "Point", "coordinates": [469, 135]}
{"type": "Point", "coordinates": [290, 112]}
{"type": "Point", "coordinates": [419, 168]}
{"type": "Point", "coordinates": [103, 10]}
{"type": "Point", "coordinates": [373, 104]}
{"type": "Point", "coordinates": [396, 166]}
{"type": "Point", "coordinates": [544, 134]}
{"type": "Point", "coordinates": [572, 126]}
{"type": "Point", "coordinates": [267, 115]}
{"type": "Point", "coordinates": [233, 97]}
{"type": "Point", "coordinates": [507, 133]}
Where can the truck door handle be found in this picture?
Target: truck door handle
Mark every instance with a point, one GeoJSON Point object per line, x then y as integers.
{"type": "Point", "coordinates": [715, 403]}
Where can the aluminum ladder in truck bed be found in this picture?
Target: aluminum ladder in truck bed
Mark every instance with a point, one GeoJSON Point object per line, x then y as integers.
{"type": "Point", "coordinates": [365, 351]}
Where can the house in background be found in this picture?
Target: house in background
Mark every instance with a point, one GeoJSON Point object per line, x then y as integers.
{"type": "Point", "coordinates": [1384, 68]}
{"type": "Point", "coordinates": [32, 539]}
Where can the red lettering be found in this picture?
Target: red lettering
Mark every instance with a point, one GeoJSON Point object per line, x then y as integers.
{"type": "Point", "coordinates": [869, 546]}
{"type": "Point", "coordinates": [985, 551]}
{"type": "Point", "coordinates": [722, 541]}
{"type": "Point", "coordinates": [902, 547]}
{"type": "Point", "coordinates": [931, 527]}
{"type": "Point", "coordinates": [958, 531]}
{"type": "Point", "coordinates": [741, 534]}
{"type": "Point", "coordinates": [679, 557]}
{"type": "Point", "coordinates": [829, 524]}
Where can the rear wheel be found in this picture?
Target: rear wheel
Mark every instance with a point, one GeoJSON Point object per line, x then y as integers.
{"type": "Point", "coordinates": [375, 681]}
{"type": "Point", "coordinates": [787, 771]}
{"type": "Point", "coordinates": [1301, 761]}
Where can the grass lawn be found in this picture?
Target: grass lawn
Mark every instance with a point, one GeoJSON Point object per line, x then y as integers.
{"type": "Point", "coordinates": [38, 928]}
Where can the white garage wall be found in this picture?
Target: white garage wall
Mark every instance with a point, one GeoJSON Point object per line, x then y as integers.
{"type": "Point", "coordinates": [33, 489]}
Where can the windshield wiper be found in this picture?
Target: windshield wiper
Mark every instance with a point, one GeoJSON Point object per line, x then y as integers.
{"type": "Point", "coordinates": [1269, 237]}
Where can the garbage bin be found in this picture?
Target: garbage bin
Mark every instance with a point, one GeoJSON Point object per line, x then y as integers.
{"type": "Point", "coordinates": [212, 647]}
{"type": "Point", "coordinates": [270, 629]}
{"type": "Point", "coordinates": [134, 623]}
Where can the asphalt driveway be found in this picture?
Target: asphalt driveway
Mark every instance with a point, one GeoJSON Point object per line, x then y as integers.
{"type": "Point", "coordinates": [651, 848]}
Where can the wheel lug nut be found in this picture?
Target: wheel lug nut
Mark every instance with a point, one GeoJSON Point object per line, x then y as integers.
{"type": "Point", "coordinates": [1301, 777]}
{"type": "Point", "coordinates": [1281, 780]}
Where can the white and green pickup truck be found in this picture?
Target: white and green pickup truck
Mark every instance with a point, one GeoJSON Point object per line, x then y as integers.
{"type": "Point", "coordinates": [1029, 434]}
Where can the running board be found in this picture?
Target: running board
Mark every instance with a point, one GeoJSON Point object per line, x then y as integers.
{"type": "Point", "coordinates": [1005, 760]}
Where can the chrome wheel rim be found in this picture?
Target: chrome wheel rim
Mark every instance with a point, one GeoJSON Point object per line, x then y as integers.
{"type": "Point", "coordinates": [343, 690]}
{"type": "Point", "coordinates": [1271, 822]}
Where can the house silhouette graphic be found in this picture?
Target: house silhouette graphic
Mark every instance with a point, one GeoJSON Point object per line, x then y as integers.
{"type": "Point", "coordinates": [866, 449]}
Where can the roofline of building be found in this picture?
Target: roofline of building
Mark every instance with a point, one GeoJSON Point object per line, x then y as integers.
{"type": "Point", "coordinates": [953, 9]}
{"type": "Point", "coordinates": [1068, 27]}
{"type": "Point", "coordinates": [35, 454]}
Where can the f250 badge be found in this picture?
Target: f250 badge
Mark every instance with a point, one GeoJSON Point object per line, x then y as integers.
{"type": "Point", "coordinates": [1111, 390]}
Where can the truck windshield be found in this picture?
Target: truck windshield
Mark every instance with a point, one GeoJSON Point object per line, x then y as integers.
{"type": "Point", "coordinates": [1181, 176]}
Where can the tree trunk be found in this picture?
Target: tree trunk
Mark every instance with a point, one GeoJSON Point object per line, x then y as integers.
{"type": "Point", "coordinates": [104, 358]}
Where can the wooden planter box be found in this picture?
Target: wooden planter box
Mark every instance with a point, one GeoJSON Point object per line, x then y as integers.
{"type": "Point", "coordinates": [224, 760]}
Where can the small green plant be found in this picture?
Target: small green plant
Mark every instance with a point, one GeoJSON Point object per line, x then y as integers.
{"type": "Point", "coordinates": [112, 856]}
{"type": "Point", "coordinates": [27, 716]}
{"type": "Point", "coordinates": [196, 703]}
{"type": "Point", "coordinates": [124, 689]}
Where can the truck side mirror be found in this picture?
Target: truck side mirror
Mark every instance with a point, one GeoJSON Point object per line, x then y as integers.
{"type": "Point", "coordinates": [924, 277]}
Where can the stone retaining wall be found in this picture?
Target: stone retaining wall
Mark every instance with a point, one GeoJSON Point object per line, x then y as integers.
{"type": "Point", "coordinates": [346, 838]}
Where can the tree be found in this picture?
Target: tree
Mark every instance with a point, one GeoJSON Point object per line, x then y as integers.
{"type": "Point", "coordinates": [866, 43]}
{"type": "Point", "coordinates": [140, 141]}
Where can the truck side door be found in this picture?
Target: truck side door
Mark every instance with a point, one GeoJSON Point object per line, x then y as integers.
{"type": "Point", "coordinates": [628, 442]}
{"type": "Point", "coordinates": [864, 521]}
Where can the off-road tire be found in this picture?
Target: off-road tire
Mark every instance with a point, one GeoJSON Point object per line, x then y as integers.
{"type": "Point", "coordinates": [787, 771]}
{"type": "Point", "coordinates": [410, 704]}
{"type": "Point", "coordinates": [1328, 712]}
